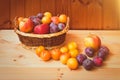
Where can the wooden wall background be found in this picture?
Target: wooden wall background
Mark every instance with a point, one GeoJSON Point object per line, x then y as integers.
{"type": "Point", "coordinates": [84, 14]}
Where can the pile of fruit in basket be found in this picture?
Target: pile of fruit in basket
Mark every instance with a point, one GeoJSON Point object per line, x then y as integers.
{"type": "Point", "coordinates": [42, 23]}
{"type": "Point", "coordinates": [93, 55]}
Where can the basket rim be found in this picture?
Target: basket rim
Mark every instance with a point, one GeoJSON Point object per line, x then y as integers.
{"type": "Point", "coordinates": [43, 35]}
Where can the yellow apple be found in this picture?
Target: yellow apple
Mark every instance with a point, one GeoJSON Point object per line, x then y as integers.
{"type": "Point", "coordinates": [26, 25]}
{"type": "Point", "coordinates": [93, 41]}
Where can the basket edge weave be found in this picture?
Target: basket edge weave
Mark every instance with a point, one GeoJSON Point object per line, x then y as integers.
{"type": "Point", "coordinates": [42, 35]}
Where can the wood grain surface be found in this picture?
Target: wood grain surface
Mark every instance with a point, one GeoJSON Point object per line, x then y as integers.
{"type": "Point", "coordinates": [19, 63]}
{"type": "Point", "coordinates": [84, 14]}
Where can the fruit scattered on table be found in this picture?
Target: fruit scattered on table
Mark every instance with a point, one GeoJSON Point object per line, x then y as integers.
{"type": "Point", "coordinates": [45, 55]}
{"type": "Point", "coordinates": [64, 58]}
{"type": "Point", "coordinates": [97, 61]}
{"type": "Point", "coordinates": [81, 58]}
{"type": "Point", "coordinates": [54, 23]}
{"type": "Point", "coordinates": [46, 23]}
{"type": "Point", "coordinates": [39, 50]}
{"type": "Point", "coordinates": [93, 41]}
{"type": "Point", "coordinates": [103, 52]}
{"type": "Point", "coordinates": [69, 54]}
{"type": "Point", "coordinates": [88, 64]}
{"type": "Point", "coordinates": [64, 49]}
{"type": "Point", "coordinates": [89, 51]}
{"type": "Point", "coordinates": [104, 49]}
{"type": "Point", "coordinates": [72, 63]}
{"type": "Point", "coordinates": [72, 45]}
{"type": "Point", "coordinates": [73, 52]}
{"type": "Point", "coordinates": [55, 53]}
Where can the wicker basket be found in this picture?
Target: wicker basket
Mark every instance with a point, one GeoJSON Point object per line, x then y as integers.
{"type": "Point", "coordinates": [47, 40]}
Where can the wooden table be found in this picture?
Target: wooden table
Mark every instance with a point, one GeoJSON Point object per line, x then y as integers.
{"type": "Point", "coordinates": [18, 63]}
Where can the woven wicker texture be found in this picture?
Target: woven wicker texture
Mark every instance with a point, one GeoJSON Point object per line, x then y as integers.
{"type": "Point", "coordinates": [47, 40]}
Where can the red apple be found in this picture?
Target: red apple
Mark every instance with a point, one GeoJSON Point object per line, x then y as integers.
{"type": "Point", "coordinates": [26, 25]}
{"type": "Point", "coordinates": [42, 29]}
{"type": "Point", "coordinates": [93, 41]}
{"type": "Point", "coordinates": [55, 19]}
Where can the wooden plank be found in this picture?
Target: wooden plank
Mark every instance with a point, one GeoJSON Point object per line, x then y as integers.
{"type": "Point", "coordinates": [16, 9]}
{"type": "Point", "coordinates": [118, 12]}
{"type": "Point", "coordinates": [29, 73]}
{"type": "Point", "coordinates": [83, 74]}
{"type": "Point", "coordinates": [56, 74]}
{"type": "Point", "coordinates": [20, 8]}
{"type": "Point", "coordinates": [32, 7]}
{"type": "Point", "coordinates": [78, 15]}
{"type": "Point", "coordinates": [63, 7]}
{"type": "Point", "coordinates": [36, 6]}
{"type": "Point", "coordinates": [28, 8]}
{"type": "Point", "coordinates": [18, 63]}
{"type": "Point", "coordinates": [110, 17]}
{"type": "Point", "coordinates": [94, 15]}
{"type": "Point", "coordinates": [48, 5]}
{"type": "Point", "coordinates": [13, 11]}
{"type": "Point", "coordinates": [4, 14]}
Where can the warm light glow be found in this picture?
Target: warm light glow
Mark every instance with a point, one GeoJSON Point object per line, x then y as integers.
{"type": "Point", "coordinates": [119, 4]}
{"type": "Point", "coordinates": [118, 8]}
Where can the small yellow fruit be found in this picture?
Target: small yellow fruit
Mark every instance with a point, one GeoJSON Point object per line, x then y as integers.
{"type": "Point", "coordinates": [72, 63]}
{"type": "Point", "coordinates": [48, 14]}
{"type": "Point", "coordinates": [39, 50]}
{"type": "Point", "coordinates": [63, 18]}
{"type": "Point", "coordinates": [45, 55]}
{"type": "Point", "coordinates": [64, 49]}
{"type": "Point", "coordinates": [72, 45]}
{"type": "Point", "coordinates": [73, 53]}
{"type": "Point", "coordinates": [46, 20]}
{"type": "Point", "coordinates": [55, 53]}
{"type": "Point", "coordinates": [64, 57]}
